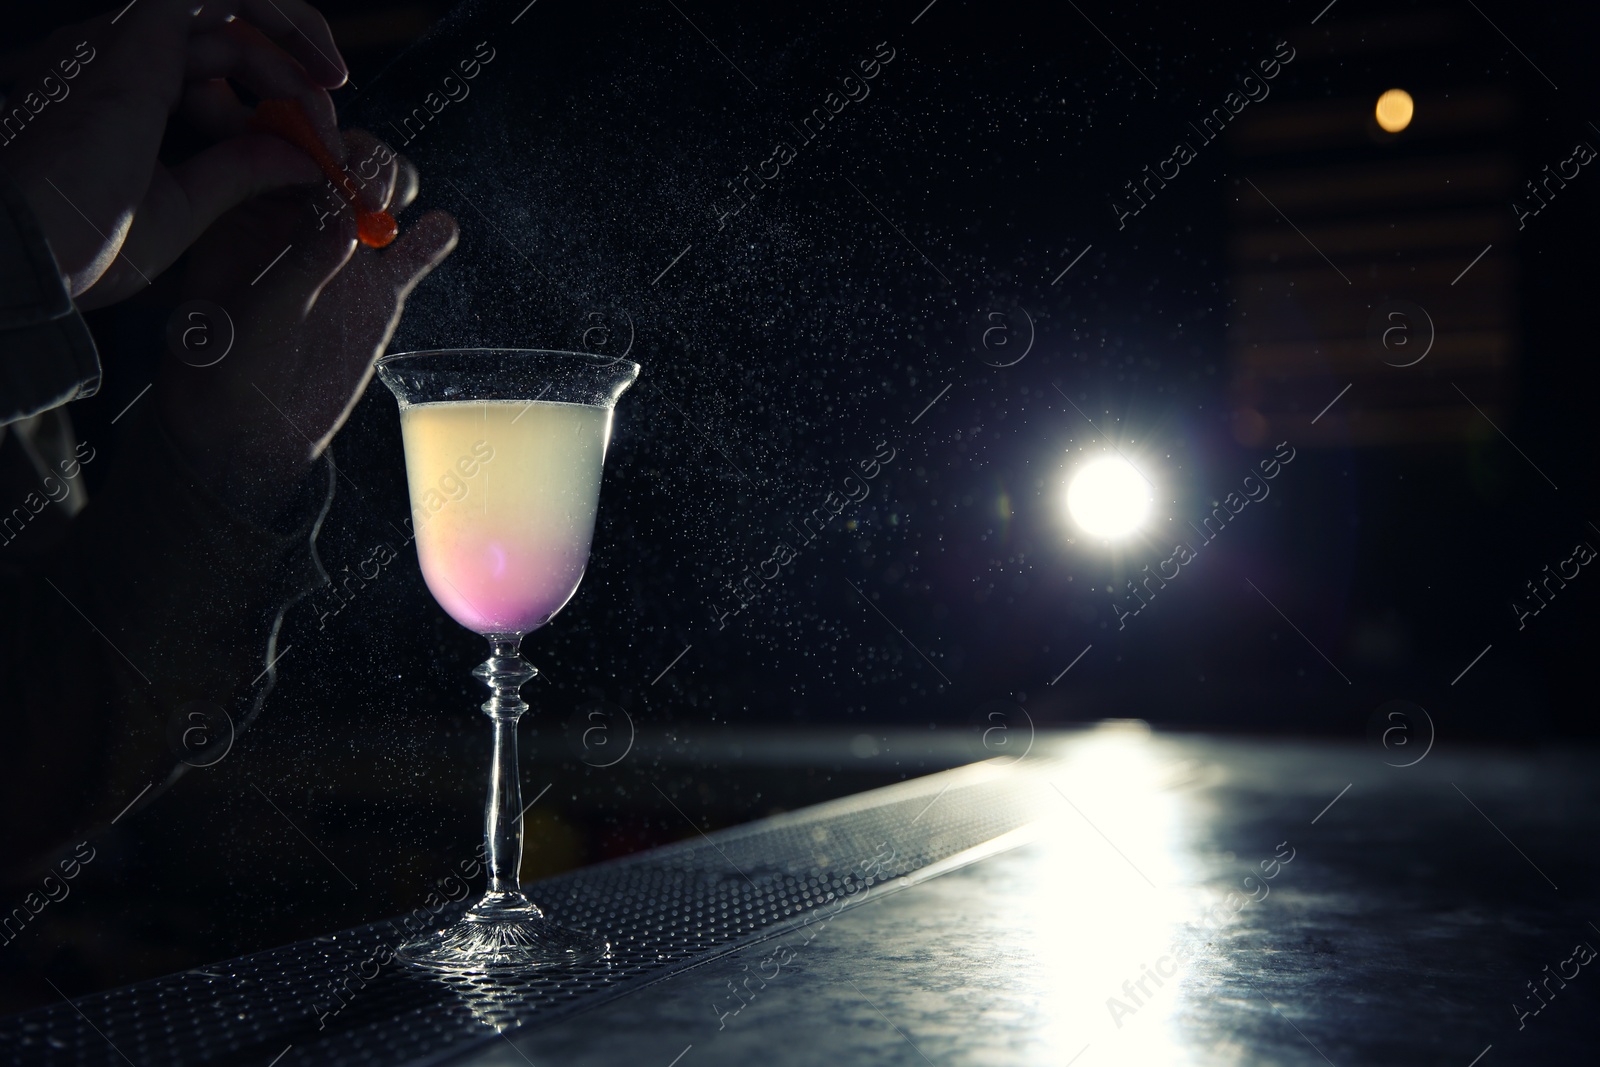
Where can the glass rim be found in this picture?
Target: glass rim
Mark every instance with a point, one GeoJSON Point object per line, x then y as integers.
{"type": "Point", "coordinates": [588, 357]}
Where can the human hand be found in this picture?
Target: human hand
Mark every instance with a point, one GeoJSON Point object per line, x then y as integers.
{"type": "Point", "coordinates": [114, 214]}
{"type": "Point", "coordinates": [307, 331]}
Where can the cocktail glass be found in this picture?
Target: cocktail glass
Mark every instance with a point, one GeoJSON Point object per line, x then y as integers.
{"type": "Point", "coordinates": [504, 449]}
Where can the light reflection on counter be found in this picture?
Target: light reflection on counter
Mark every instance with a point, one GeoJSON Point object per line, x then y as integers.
{"type": "Point", "coordinates": [1104, 907]}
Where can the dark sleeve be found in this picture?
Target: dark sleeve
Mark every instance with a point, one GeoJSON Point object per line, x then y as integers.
{"type": "Point", "coordinates": [46, 354]}
{"type": "Point", "coordinates": [157, 597]}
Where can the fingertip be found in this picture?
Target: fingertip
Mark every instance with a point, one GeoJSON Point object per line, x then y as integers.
{"type": "Point", "coordinates": [435, 235]}
{"type": "Point", "coordinates": [325, 62]}
{"type": "Point", "coordinates": [374, 169]}
{"type": "Point", "coordinates": [444, 226]}
{"type": "Point", "coordinates": [406, 185]}
{"type": "Point", "coordinates": [422, 247]}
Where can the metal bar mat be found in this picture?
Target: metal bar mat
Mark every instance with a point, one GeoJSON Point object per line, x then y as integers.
{"type": "Point", "coordinates": [337, 1000]}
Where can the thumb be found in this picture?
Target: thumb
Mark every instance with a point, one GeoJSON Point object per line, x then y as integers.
{"type": "Point", "coordinates": [430, 239]}
{"type": "Point", "coordinates": [368, 296]}
{"type": "Point", "coordinates": [358, 311]}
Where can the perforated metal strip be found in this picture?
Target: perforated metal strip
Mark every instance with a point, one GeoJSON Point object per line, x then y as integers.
{"type": "Point", "coordinates": [662, 910]}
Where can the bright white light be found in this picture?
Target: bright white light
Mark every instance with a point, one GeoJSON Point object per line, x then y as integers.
{"type": "Point", "coordinates": [1108, 497]}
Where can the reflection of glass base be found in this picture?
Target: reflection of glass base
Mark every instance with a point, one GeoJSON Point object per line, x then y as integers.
{"type": "Point", "coordinates": [508, 935]}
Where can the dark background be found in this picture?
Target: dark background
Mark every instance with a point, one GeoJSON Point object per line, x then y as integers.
{"type": "Point", "coordinates": [781, 349]}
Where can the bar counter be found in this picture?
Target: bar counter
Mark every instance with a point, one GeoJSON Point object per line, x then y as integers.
{"type": "Point", "coordinates": [1112, 897]}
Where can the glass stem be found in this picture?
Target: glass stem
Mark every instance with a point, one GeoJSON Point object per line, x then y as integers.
{"type": "Point", "coordinates": [504, 672]}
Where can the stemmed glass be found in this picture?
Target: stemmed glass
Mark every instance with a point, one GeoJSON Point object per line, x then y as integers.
{"type": "Point", "coordinates": [504, 449]}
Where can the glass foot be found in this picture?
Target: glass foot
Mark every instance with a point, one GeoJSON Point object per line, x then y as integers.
{"type": "Point", "coordinates": [502, 938]}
